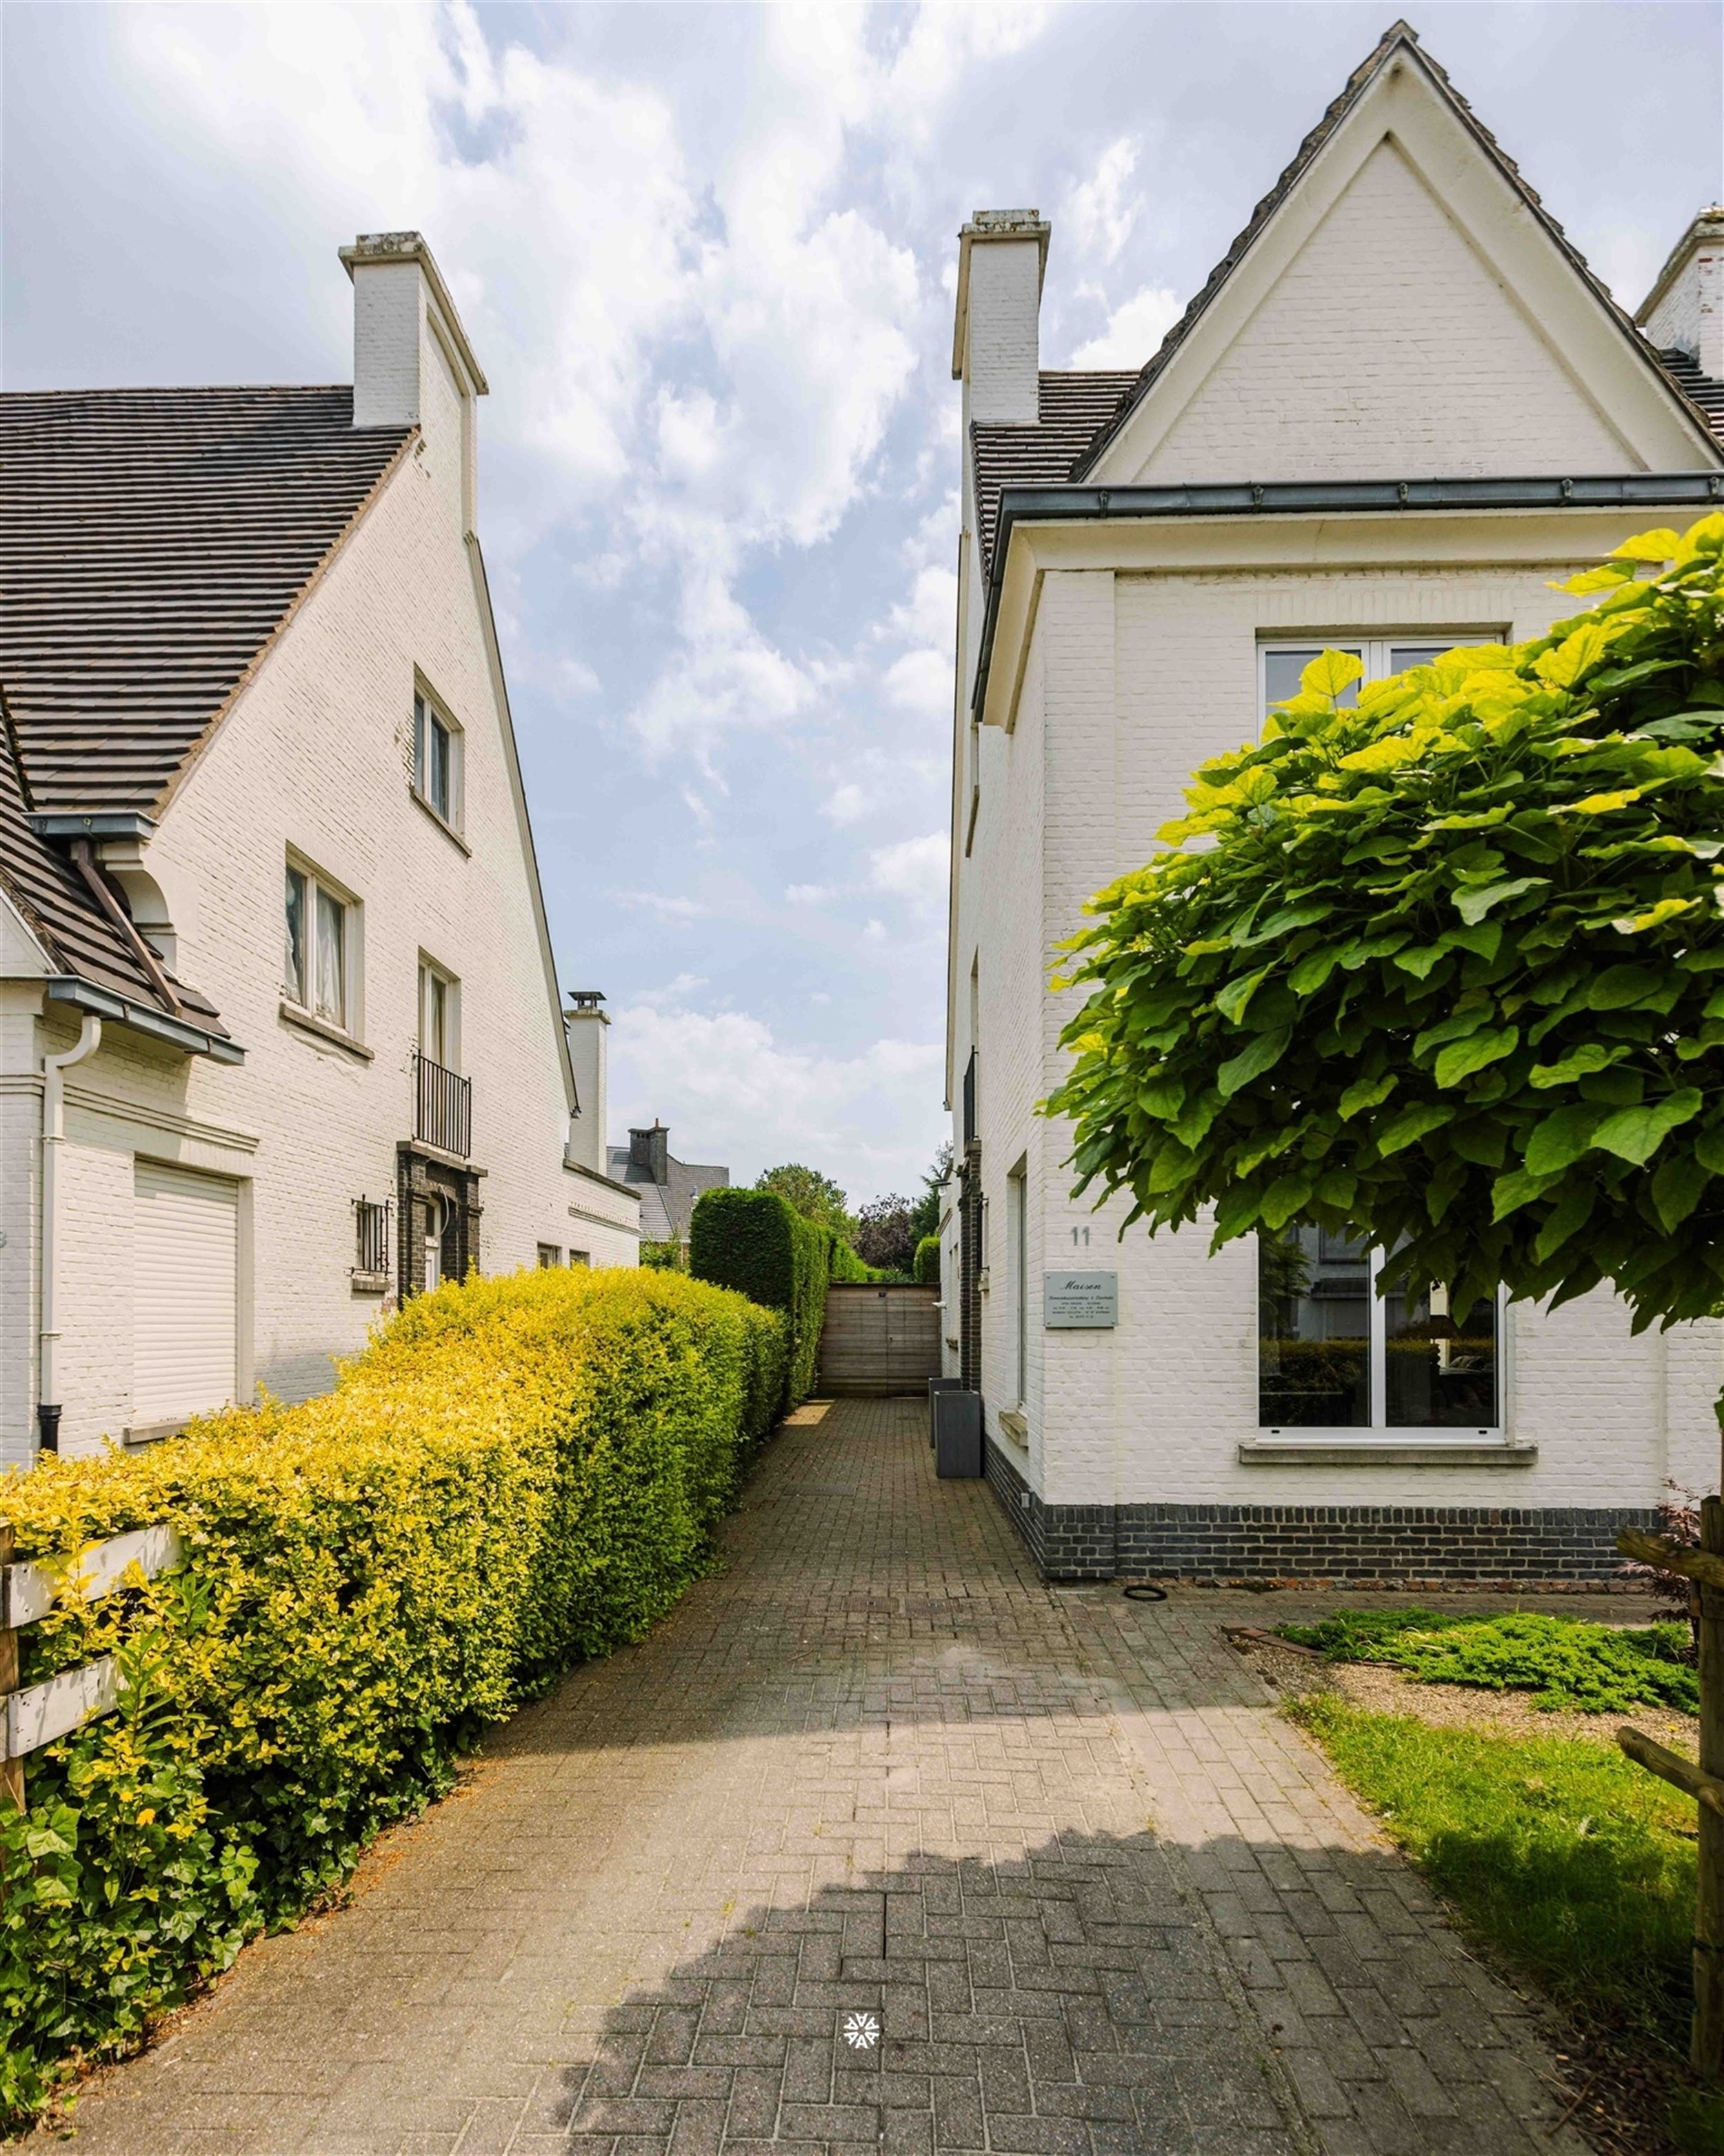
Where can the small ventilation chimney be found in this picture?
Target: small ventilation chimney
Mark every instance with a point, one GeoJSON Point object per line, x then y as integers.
{"type": "Point", "coordinates": [586, 1025]}
{"type": "Point", "coordinates": [650, 1151]}
{"type": "Point", "coordinates": [1685, 310]}
{"type": "Point", "coordinates": [1002, 255]}
{"type": "Point", "coordinates": [404, 329]}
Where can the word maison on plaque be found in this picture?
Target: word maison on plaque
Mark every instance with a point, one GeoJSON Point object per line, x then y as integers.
{"type": "Point", "coordinates": [1073, 1300]}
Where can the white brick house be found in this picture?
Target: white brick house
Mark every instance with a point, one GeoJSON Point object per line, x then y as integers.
{"type": "Point", "coordinates": [279, 1036]}
{"type": "Point", "coordinates": [1398, 410]}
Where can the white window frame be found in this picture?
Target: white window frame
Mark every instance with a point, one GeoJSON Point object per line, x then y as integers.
{"type": "Point", "coordinates": [302, 998]}
{"type": "Point", "coordinates": [1379, 1431]}
{"type": "Point", "coordinates": [550, 1257]}
{"type": "Point", "coordinates": [429, 972]}
{"type": "Point", "coordinates": [432, 714]}
{"type": "Point", "coordinates": [1373, 652]}
{"type": "Point", "coordinates": [1017, 1274]}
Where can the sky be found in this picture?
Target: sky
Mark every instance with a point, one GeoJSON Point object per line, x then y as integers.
{"type": "Point", "coordinates": [706, 256]}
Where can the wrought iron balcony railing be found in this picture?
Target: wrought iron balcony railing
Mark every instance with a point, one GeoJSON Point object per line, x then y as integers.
{"type": "Point", "coordinates": [443, 1107]}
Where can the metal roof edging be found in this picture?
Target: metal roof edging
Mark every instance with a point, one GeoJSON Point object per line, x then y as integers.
{"type": "Point", "coordinates": [1072, 505]}
{"type": "Point", "coordinates": [84, 995]}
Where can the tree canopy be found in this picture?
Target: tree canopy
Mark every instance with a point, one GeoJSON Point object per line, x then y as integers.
{"type": "Point", "coordinates": [1445, 966]}
{"type": "Point", "coordinates": [815, 1196]}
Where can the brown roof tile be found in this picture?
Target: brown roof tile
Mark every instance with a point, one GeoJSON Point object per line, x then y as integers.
{"type": "Point", "coordinates": [1072, 407]}
{"type": "Point", "coordinates": [152, 542]}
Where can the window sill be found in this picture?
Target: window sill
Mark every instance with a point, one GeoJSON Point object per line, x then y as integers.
{"type": "Point", "coordinates": [153, 1433]}
{"type": "Point", "coordinates": [1014, 1424]}
{"type": "Point", "coordinates": [1387, 1453]}
{"type": "Point", "coordinates": [440, 820]}
{"type": "Point", "coordinates": [370, 1283]}
{"type": "Point", "coordinates": [320, 1029]}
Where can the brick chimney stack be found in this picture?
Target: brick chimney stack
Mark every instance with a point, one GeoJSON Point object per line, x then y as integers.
{"type": "Point", "coordinates": [1002, 254]}
{"type": "Point", "coordinates": [650, 1151]}
{"type": "Point", "coordinates": [1685, 309]}
{"type": "Point", "coordinates": [587, 1025]}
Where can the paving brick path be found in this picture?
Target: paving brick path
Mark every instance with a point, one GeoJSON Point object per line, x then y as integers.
{"type": "Point", "coordinates": [874, 1768]}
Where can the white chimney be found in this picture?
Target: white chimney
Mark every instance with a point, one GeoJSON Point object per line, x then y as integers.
{"type": "Point", "coordinates": [1685, 309]}
{"type": "Point", "coordinates": [587, 1026]}
{"type": "Point", "coordinates": [400, 304]}
{"type": "Point", "coordinates": [1002, 254]}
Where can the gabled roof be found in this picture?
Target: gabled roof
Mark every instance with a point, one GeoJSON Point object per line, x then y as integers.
{"type": "Point", "coordinates": [666, 1207]}
{"type": "Point", "coordinates": [77, 937]}
{"type": "Point", "coordinates": [153, 543]}
{"type": "Point", "coordinates": [1071, 408]}
{"type": "Point", "coordinates": [1400, 40]}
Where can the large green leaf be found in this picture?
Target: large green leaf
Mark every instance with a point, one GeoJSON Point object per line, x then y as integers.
{"type": "Point", "coordinates": [1462, 1058]}
{"type": "Point", "coordinates": [1562, 1138]}
{"type": "Point", "coordinates": [1636, 1134]}
{"type": "Point", "coordinates": [1472, 905]}
{"type": "Point", "coordinates": [1264, 1053]}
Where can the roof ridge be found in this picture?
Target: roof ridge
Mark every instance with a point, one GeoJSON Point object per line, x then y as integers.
{"type": "Point", "coordinates": [1399, 36]}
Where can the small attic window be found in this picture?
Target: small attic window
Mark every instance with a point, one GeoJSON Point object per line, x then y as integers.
{"type": "Point", "coordinates": [436, 760]}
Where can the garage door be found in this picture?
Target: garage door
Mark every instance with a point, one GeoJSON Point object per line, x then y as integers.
{"type": "Point", "coordinates": [185, 1293]}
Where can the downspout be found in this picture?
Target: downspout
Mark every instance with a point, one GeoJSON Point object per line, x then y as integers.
{"type": "Point", "coordinates": [53, 1135]}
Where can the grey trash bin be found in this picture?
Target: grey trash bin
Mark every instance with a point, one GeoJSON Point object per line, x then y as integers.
{"type": "Point", "coordinates": [957, 1435]}
{"type": "Point", "coordinates": [939, 1385]}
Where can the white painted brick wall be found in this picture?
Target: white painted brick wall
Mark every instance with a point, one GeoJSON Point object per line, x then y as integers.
{"type": "Point", "coordinates": [317, 755]}
{"type": "Point", "coordinates": [1385, 350]}
{"type": "Point", "coordinates": [1003, 347]}
{"type": "Point", "coordinates": [1133, 681]}
{"type": "Point", "coordinates": [1692, 313]}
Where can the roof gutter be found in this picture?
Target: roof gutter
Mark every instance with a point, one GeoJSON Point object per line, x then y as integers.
{"type": "Point", "coordinates": [198, 1040]}
{"type": "Point", "coordinates": [1098, 505]}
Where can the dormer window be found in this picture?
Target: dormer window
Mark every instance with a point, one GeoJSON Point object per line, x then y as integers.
{"type": "Point", "coordinates": [436, 760]}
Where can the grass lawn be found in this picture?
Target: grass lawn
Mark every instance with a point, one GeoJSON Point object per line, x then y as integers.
{"type": "Point", "coordinates": [1563, 1661]}
{"type": "Point", "coordinates": [1574, 1866]}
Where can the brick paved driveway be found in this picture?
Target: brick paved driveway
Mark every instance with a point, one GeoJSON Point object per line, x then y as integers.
{"type": "Point", "coordinates": [875, 1773]}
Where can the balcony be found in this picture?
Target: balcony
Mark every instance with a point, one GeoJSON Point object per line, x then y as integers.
{"type": "Point", "coordinates": [443, 1108]}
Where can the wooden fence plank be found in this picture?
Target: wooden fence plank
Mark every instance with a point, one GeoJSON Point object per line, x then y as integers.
{"type": "Point", "coordinates": [29, 1590]}
{"type": "Point", "coordinates": [36, 1716]}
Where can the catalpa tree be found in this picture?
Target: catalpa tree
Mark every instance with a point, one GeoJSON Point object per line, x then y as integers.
{"type": "Point", "coordinates": [1446, 967]}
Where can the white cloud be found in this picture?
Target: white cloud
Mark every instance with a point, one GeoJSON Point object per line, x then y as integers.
{"type": "Point", "coordinates": [1134, 330]}
{"type": "Point", "coordinates": [914, 870]}
{"type": "Point", "coordinates": [656, 901]}
{"type": "Point", "coordinates": [731, 1091]}
{"type": "Point", "coordinates": [1101, 210]}
{"type": "Point", "coordinates": [845, 804]}
{"type": "Point", "coordinates": [809, 894]}
{"type": "Point", "coordinates": [921, 681]}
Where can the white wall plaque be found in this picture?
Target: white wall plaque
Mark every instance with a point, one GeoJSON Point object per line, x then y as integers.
{"type": "Point", "coordinates": [1071, 1299]}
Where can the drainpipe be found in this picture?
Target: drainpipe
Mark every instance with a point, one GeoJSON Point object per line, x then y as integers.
{"type": "Point", "coordinates": [53, 1135]}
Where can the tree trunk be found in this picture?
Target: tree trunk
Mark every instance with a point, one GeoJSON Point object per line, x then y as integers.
{"type": "Point", "coordinates": [1707, 2053]}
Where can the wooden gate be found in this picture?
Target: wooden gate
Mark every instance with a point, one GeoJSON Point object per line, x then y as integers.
{"type": "Point", "coordinates": [878, 1341]}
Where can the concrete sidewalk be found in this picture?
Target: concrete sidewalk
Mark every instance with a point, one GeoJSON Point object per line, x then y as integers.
{"type": "Point", "coordinates": [876, 1844]}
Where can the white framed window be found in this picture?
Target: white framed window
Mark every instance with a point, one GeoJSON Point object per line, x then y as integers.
{"type": "Point", "coordinates": [438, 1220]}
{"type": "Point", "coordinates": [549, 1255]}
{"type": "Point", "coordinates": [1334, 1357]}
{"type": "Point", "coordinates": [1280, 663]}
{"type": "Point", "coordinates": [580, 1257]}
{"type": "Point", "coordinates": [321, 947]}
{"type": "Point", "coordinates": [1018, 1274]}
{"type": "Point", "coordinates": [436, 759]}
{"type": "Point", "coordinates": [439, 1015]}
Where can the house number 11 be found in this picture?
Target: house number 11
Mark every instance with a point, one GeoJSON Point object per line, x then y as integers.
{"type": "Point", "coordinates": [1080, 1235]}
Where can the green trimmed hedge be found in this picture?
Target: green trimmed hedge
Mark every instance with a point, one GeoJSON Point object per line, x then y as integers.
{"type": "Point", "coordinates": [517, 1473]}
{"type": "Point", "coordinates": [758, 1243]}
{"type": "Point", "coordinates": [928, 1261]}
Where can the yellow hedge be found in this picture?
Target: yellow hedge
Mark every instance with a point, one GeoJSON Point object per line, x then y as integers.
{"type": "Point", "coordinates": [517, 1472]}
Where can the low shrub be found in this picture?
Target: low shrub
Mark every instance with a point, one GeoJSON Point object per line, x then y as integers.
{"type": "Point", "coordinates": [928, 1261]}
{"type": "Point", "coordinates": [517, 1473]}
{"type": "Point", "coordinates": [756, 1243]}
{"type": "Point", "coordinates": [1563, 1661]}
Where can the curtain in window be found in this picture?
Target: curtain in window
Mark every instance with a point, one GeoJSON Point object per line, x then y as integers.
{"type": "Point", "coordinates": [293, 978]}
{"type": "Point", "coordinates": [331, 960]}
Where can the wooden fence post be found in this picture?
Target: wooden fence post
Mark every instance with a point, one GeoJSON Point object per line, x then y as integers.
{"type": "Point", "coordinates": [1708, 2042]}
{"type": "Point", "coordinates": [12, 1771]}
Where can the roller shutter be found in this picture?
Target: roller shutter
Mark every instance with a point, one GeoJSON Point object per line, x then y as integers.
{"type": "Point", "coordinates": [185, 1293]}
